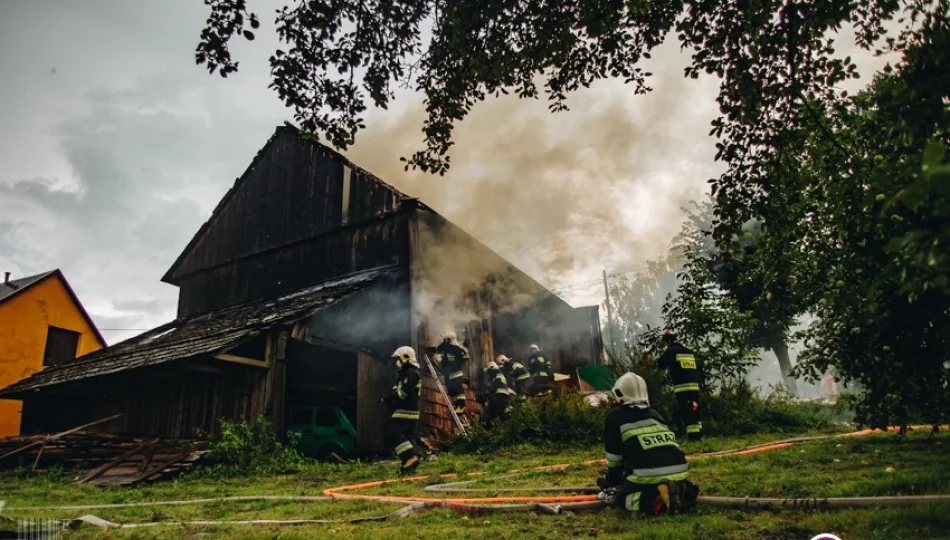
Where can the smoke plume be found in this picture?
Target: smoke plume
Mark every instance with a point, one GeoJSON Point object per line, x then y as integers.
{"type": "Point", "coordinates": [564, 195]}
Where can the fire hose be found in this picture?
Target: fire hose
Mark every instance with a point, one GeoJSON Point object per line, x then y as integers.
{"type": "Point", "coordinates": [576, 498]}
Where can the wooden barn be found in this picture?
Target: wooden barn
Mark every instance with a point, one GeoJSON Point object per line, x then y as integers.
{"type": "Point", "coordinates": [305, 278]}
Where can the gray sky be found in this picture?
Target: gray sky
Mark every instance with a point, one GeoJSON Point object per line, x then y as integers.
{"type": "Point", "coordinates": [116, 147]}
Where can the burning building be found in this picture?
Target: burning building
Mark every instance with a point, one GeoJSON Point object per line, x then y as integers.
{"type": "Point", "coordinates": [305, 278]}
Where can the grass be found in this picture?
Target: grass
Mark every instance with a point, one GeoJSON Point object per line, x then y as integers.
{"type": "Point", "coordinates": [837, 467]}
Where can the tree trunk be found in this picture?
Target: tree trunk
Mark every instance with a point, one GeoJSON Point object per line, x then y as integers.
{"type": "Point", "coordinates": [780, 348]}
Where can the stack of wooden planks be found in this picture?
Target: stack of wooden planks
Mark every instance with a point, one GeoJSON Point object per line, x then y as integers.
{"type": "Point", "coordinates": [103, 459]}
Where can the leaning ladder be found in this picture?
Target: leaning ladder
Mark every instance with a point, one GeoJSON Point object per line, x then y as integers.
{"type": "Point", "coordinates": [460, 421]}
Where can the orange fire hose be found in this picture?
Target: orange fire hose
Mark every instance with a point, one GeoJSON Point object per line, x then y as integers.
{"type": "Point", "coordinates": [346, 492]}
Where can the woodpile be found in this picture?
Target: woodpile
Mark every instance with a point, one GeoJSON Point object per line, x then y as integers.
{"type": "Point", "coordinates": [104, 459]}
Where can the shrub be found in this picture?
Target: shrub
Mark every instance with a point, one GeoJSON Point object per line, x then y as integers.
{"type": "Point", "coordinates": [737, 409]}
{"type": "Point", "coordinates": [565, 420]}
{"type": "Point", "coordinates": [242, 448]}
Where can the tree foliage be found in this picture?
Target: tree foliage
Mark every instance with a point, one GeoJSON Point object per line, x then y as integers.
{"type": "Point", "coordinates": [339, 55]}
{"type": "Point", "coordinates": [851, 192]}
{"type": "Point", "coordinates": [872, 220]}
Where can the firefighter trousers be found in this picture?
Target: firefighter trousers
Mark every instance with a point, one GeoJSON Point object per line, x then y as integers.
{"type": "Point", "coordinates": [688, 415]}
{"type": "Point", "coordinates": [400, 434]}
{"type": "Point", "coordinates": [656, 499]}
{"type": "Point", "coordinates": [456, 391]}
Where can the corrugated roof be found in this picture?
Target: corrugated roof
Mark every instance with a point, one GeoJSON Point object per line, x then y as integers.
{"type": "Point", "coordinates": [203, 334]}
{"type": "Point", "coordinates": [17, 285]}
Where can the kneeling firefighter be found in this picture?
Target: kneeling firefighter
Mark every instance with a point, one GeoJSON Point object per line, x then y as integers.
{"type": "Point", "coordinates": [646, 470]}
{"type": "Point", "coordinates": [404, 399]}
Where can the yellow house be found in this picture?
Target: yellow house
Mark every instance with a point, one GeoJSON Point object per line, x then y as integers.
{"type": "Point", "coordinates": [42, 323]}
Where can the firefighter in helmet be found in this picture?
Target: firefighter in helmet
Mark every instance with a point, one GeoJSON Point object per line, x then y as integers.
{"type": "Point", "coordinates": [516, 375]}
{"type": "Point", "coordinates": [404, 400]}
{"type": "Point", "coordinates": [454, 356]}
{"type": "Point", "coordinates": [542, 374]}
{"type": "Point", "coordinates": [646, 470]}
{"type": "Point", "coordinates": [499, 395]}
{"type": "Point", "coordinates": [686, 372]}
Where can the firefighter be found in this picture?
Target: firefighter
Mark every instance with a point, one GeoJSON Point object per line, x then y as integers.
{"type": "Point", "coordinates": [516, 375]}
{"type": "Point", "coordinates": [454, 357]}
{"type": "Point", "coordinates": [404, 399]}
{"type": "Point", "coordinates": [686, 372]}
{"type": "Point", "coordinates": [646, 470]}
{"type": "Point", "coordinates": [499, 395]}
{"type": "Point", "coordinates": [542, 374]}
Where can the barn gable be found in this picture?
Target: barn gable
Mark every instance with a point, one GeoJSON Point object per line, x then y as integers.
{"type": "Point", "coordinates": [294, 189]}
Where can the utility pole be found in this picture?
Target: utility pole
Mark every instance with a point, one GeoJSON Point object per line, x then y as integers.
{"type": "Point", "coordinates": [610, 316]}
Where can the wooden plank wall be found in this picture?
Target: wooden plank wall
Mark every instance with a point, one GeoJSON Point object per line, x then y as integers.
{"type": "Point", "coordinates": [294, 266]}
{"type": "Point", "coordinates": [166, 403]}
{"type": "Point", "coordinates": [375, 379]}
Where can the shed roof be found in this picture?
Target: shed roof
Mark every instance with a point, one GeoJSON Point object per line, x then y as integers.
{"type": "Point", "coordinates": [208, 333]}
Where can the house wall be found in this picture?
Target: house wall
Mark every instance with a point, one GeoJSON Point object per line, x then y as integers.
{"type": "Point", "coordinates": [24, 320]}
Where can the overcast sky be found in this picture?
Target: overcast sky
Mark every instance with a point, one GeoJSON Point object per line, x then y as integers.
{"type": "Point", "coordinates": [116, 147]}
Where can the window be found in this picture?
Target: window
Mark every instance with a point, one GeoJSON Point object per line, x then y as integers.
{"type": "Point", "coordinates": [325, 418]}
{"type": "Point", "coordinates": [345, 215]}
{"type": "Point", "coordinates": [301, 417]}
{"type": "Point", "coordinates": [61, 346]}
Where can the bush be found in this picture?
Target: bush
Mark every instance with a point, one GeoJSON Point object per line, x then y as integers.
{"type": "Point", "coordinates": [737, 409]}
{"type": "Point", "coordinates": [242, 448]}
{"type": "Point", "coordinates": [565, 420]}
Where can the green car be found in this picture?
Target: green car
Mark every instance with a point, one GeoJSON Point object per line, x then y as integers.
{"type": "Point", "coordinates": [322, 431]}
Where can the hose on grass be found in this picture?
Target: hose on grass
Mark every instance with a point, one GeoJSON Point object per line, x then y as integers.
{"type": "Point", "coordinates": [548, 504]}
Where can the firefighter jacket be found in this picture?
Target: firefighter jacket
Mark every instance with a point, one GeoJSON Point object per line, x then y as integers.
{"type": "Point", "coordinates": [641, 448]}
{"type": "Point", "coordinates": [540, 367]}
{"type": "Point", "coordinates": [405, 394]}
{"type": "Point", "coordinates": [496, 381]}
{"type": "Point", "coordinates": [453, 356]}
{"type": "Point", "coordinates": [516, 375]}
{"type": "Point", "coordinates": [684, 368]}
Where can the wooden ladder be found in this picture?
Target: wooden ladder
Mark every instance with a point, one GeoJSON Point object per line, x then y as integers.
{"type": "Point", "coordinates": [460, 421]}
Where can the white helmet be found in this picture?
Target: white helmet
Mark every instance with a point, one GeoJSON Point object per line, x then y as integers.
{"type": "Point", "coordinates": [631, 389]}
{"type": "Point", "coordinates": [534, 348]}
{"type": "Point", "coordinates": [492, 365]}
{"type": "Point", "coordinates": [405, 355]}
{"type": "Point", "coordinates": [449, 336]}
{"type": "Point", "coordinates": [502, 359]}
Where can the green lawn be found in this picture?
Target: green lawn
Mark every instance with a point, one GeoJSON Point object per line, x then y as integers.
{"type": "Point", "coordinates": [866, 466]}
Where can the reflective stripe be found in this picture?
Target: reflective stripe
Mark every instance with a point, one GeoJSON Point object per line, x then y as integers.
{"type": "Point", "coordinates": [516, 366]}
{"type": "Point", "coordinates": [632, 502]}
{"type": "Point", "coordinates": [458, 397]}
{"type": "Point", "coordinates": [406, 414]}
{"type": "Point", "coordinates": [686, 361]}
{"type": "Point", "coordinates": [640, 424]}
{"type": "Point", "coordinates": [653, 480]}
{"type": "Point", "coordinates": [503, 391]}
{"type": "Point", "coordinates": [541, 374]}
{"type": "Point", "coordinates": [523, 377]}
{"type": "Point", "coordinates": [455, 375]}
{"type": "Point", "coordinates": [686, 387]}
{"type": "Point", "coordinates": [402, 447]}
{"type": "Point", "coordinates": [614, 464]}
{"type": "Point", "coordinates": [694, 428]}
{"type": "Point", "coordinates": [614, 457]}
{"type": "Point", "coordinates": [630, 433]}
{"type": "Point", "coordinates": [399, 392]}
{"type": "Point", "coordinates": [661, 471]}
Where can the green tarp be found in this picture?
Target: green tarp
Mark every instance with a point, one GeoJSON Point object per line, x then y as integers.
{"type": "Point", "coordinates": [600, 377]}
